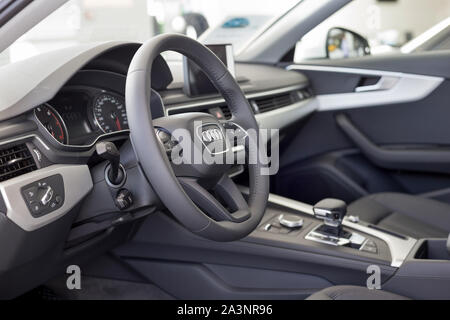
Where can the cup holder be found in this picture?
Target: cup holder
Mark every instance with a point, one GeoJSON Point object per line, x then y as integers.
{"type": "Point", "coordinates": [433, 250]}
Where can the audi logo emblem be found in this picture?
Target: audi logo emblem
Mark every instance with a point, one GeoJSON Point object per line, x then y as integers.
{"type": "Point", "coordinates": [211, 135]}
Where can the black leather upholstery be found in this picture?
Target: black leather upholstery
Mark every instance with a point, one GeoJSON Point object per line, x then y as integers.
{"type": "Point", "coordinates": [354, 293]}
{"type": "Point", "coordinates": [413, 216]}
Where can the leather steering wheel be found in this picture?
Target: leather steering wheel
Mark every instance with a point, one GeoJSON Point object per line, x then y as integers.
{"type": "Point", "coordinates": [201, 196]}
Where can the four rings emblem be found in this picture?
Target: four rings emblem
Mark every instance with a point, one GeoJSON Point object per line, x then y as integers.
{"type": "Point", "coordinates": [211, 135]}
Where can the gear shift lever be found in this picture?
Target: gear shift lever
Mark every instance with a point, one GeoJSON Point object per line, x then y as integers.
{"type": "Point", "coordinates": [332, 212]}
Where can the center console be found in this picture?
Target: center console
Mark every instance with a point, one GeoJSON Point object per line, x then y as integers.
{"type": "Point", "coordinates": [294, 252]}
{"type": "Point", "coordinates": [420, 268]}
{"type": "Point", "coordinates": [325, 227]}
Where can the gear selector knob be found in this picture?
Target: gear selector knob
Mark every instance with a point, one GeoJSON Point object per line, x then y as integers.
{"type": "Point", "coordinates": [331, 211]}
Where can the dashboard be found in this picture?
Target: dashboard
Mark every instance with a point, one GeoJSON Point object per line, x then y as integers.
{"type": "Point", "coordinates": [91, 104]}
{"type": "Point", "coordinates": [49, 127]}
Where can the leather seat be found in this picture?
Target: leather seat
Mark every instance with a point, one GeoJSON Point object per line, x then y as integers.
{"type": "Point", "coordinates": [408, 215]}
{"type": "Point", "coordinates": [354, 293]}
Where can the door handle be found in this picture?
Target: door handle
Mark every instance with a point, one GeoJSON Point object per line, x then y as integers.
{"type": "Point", "coordinates": [385, 83]}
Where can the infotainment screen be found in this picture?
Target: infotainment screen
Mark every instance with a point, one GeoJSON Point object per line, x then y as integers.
{"type": "Point", "coordinates": [195, 81]}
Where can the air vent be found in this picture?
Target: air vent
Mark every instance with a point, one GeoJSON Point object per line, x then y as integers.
{"type": "Point", "coordinates": [279, 101]}
{"type": "Point", "coordinates": [209, 109]}
{"type": "Point", "coordinates": [259, 105]}
{"type": "Point", "coordinates": [15, 161]}
{"type": "Point", "coordinates": [274, 102]}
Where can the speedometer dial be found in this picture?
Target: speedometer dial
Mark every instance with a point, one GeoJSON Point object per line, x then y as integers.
{"type": "Point", "coordinates": [110, 113]}
{"type": "Point", "coordinates": [52, 122]}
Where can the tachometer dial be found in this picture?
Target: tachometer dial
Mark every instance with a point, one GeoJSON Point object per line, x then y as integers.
{"type": "Point", "coordinates": [110, 113]}
{"type": "Point", "coordinates": [53, 122]}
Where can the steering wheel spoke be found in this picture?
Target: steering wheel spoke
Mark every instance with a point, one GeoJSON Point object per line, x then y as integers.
{"type": "Point", "coordinates": [230, 193]}
{"type": "Point", "coordinates": [210, 205]}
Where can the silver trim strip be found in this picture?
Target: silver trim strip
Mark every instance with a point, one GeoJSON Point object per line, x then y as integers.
{"type": "Point", "coordinates": [21, 138]}
{"type": "Point", "coordinates": [407, 88]}
{"type": "Point", "coordinates": [77, 184]}
{"type": "Point", "coordinates": [367, 72]}
{"type": "Point", "coordinates": [399, 248]}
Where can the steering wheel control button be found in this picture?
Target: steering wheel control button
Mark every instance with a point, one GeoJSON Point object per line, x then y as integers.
{"type": "Point", "coordinates": [44, 196]}
{"type": "Point", "coordinates": [168, 142]}
{"type": "Point", "coordinates": [124, 199]}
{"type": "Point", "coordinates": [163, 136]}
{"type": "Point", "coordinates": [290, 221]}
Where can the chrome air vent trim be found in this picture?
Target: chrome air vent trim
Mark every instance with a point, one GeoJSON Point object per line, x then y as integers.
{"type": "Point", "coordinates": [16, 160]}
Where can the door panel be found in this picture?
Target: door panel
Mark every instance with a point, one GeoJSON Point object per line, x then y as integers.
{"type": "Point", "coordinates": [348, 152]}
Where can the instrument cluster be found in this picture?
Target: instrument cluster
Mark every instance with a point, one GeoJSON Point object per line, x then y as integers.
{"type": "Point", "coordinates": [78, 116]}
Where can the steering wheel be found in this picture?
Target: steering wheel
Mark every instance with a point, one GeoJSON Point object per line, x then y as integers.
{"type": "Point", "coordinates": [201, 196]}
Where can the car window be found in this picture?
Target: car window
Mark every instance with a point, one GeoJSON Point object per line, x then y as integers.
{"type": "Point", "coordinates": [84, 21]}
{"type": "Point", "coordinates": [386, 25]}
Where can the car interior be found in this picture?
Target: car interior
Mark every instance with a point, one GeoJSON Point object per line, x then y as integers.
{"type": "Point", "coordinates": [359, 172]}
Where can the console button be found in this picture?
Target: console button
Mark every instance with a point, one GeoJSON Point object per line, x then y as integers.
{"type": "Point", "coordinates": [290, 221]}
{"type": "Point", "coordinates": [124, 199]}
{"type": "Point", "coordinates": [285, 231]}
{"type": "Point", "coordinates": [30, 194]}
{"type": "Point", "coordinates": [58, 199]}
{"type": "Point", "coordinates": [35, 208]}
{"type": "Point", "coordinates": [370, 247]}
{"type": "Point", "coordinates": [44, 196]}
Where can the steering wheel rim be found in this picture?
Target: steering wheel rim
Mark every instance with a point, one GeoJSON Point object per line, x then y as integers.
{"type": "Point", "coordinates": [154, 161]}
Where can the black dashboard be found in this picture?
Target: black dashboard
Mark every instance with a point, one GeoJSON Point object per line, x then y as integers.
{"type": "Point", "coordinates": [91, 104]}
{"type": "Point", "coordinates": [50, 127]}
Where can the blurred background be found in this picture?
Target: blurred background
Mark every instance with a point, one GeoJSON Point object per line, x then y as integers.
{"type": "Point", "coordinates": [386, 24]}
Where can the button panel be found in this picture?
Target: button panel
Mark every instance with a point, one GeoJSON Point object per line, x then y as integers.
{"type": "Point", "coordinates": [44, 196]}
{"type": "Point", "coordinates": [370, 246]}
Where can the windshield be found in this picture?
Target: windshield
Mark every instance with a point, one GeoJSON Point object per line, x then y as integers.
{"type": "Point", "coordinates": [211, 21]}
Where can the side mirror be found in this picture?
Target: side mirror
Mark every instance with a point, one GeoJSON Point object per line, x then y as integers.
{"type": "Point", "coordinates": [343, 43]}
